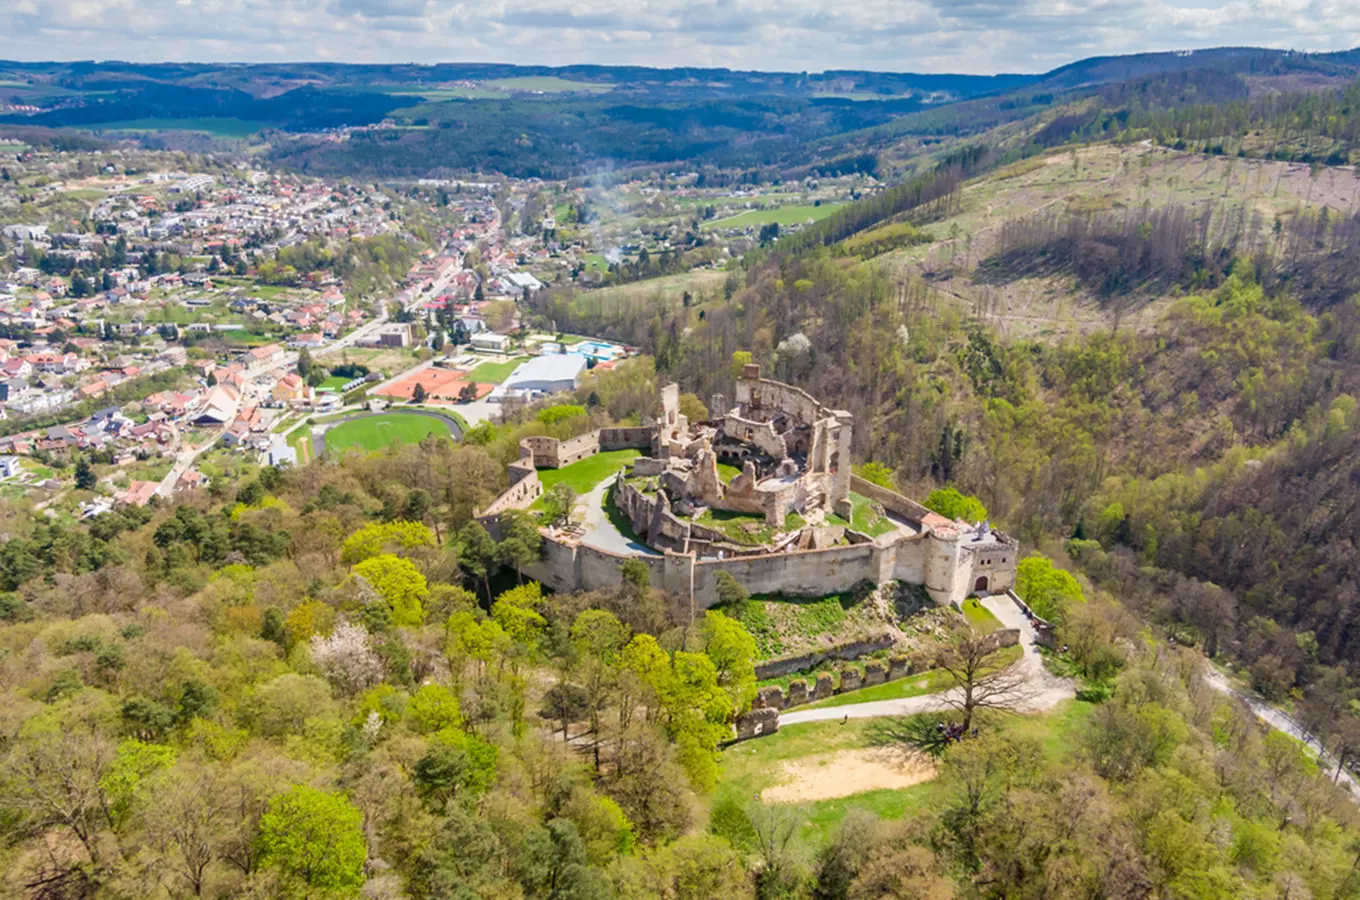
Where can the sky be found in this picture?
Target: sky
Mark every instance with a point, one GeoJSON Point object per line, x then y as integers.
{"type": "Point", "coordinates": [965, 36]}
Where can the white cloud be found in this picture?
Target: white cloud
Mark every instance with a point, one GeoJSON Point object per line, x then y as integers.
{"type": "Point", "coordinates": [970, 36]}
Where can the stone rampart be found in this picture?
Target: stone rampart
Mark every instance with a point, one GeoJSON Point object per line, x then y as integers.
{"type": "Point", "coordinates": [518, 496]}
{"type": "Point", "coordinates": [777, 668]}
{"type": "Point", "coordinates": [756, 723]}
{"type": "Point", "coordinates": [876, 671]}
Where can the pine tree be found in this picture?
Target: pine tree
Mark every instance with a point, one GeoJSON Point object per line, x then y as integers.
{"type": "Point", "coordinates": [86, 480]}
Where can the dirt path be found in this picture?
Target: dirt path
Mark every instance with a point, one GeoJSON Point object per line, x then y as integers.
{"type": "Point", "coordinates": [847, 772]}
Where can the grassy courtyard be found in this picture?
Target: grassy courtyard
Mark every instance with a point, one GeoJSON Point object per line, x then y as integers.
{"type": "Point", "coordinates": [582, 476]}
{"type": "Point", "coordinates": [384, 430]}
{"type": "Point", "coordinates": [863, 518]}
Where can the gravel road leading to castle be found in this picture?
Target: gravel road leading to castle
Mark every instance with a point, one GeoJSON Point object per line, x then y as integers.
{"type": "Point", "coordinates": [599, 531]}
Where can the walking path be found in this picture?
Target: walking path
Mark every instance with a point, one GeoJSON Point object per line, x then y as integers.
{"type": "Point", "coordinates": [1045, 689]}
{"type": "Point", "coordinates": [599, 531]}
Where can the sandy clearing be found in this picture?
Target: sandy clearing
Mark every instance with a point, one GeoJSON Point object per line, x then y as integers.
{"type": "Point", "coordinates": [847, 772]}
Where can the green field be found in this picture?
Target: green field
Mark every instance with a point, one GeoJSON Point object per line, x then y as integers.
{"type": "Point", "coordinates": [751, 766]}
{"type": "Point", "coordinates": [495, 372]}
{"type": "Point", "coordinates": [784, 215]}
{"type": "Point", "coordinates": [383, 430]}
{"type": "Point", "coordinates": [334, 383]}
{"type": "Point", "coordinates": [225, 127]}
{"type": "Point", "coordinates": [547, 84]}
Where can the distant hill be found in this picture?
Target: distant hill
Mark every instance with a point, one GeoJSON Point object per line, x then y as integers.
{"type": "Point", "coordinates": [560, 121]}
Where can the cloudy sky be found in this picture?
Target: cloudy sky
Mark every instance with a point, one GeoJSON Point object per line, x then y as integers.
{"type": "Point", "coordinates": [972, 36]}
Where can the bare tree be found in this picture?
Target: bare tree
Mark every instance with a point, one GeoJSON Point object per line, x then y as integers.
{"type": "Point", "coordinates": [983, 677]}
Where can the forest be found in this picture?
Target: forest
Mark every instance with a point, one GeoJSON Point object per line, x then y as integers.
{"type": "Point", "coordinates": [330, 682]}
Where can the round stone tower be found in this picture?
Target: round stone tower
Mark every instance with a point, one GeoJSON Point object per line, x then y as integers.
{"type": "Point", "coordinates": [944, 557]}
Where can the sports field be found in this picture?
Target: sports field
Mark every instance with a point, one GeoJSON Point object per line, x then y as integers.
{"type": "Point", "coordinates": [496, 372]}
{"type": "Point", "coordinates": [546, 84]}
{"type": "Point", "coordinates": [383, 430]}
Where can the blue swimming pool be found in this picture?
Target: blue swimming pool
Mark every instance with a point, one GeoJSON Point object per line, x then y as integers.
{"type": "Point", "coordinates": [596, 350]}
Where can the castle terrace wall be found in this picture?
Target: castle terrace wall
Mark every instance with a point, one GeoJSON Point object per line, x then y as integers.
{"type": "Point", "coordinates": [890, 500]}
{"type": "Point", "coordinates": [777, 668]}
{"type": "Point", "coordinates": [550, 453]}
{"type": "Point", "coordinates": [809, 573]}
{"type": "Point", "coordinates": [639, 436]}
{"type": "Point", "coordinates": [569, 566]}
{"type": "Point", "coordinates": [519, 495]}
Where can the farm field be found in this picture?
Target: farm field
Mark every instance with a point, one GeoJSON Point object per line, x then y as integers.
{"type": "Point", "coordinates": [229, 128]}
{"type": "Point", "coordinates": [783, 215]}
{"type": "Point", "coordinates": [546, 84]}
{"type": "Point", "coordinates": [384, 430]}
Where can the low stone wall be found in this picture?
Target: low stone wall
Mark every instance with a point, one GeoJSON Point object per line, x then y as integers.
{"type": "Point", "coordinates": [876, 671]}
{"type": "Point", "coordinates": [777, 668]}
{"type": "Point", "coordinates": [1045, 632]}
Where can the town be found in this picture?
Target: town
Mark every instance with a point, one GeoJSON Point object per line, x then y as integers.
{"type": "Point", "coordinates": [162, 314]}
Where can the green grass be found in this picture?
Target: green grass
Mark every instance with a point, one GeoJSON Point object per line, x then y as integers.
{"type": "Point", "coordinates": [980, 617]}
{"type": "Point", "coordinates": [751, 766]}
{"type": "Point", "coordinates": [383, 430]}
{"type": "Point", "coordinates": [784, 215]}
{"type": "Point", "coordinates": [596, 263]}
{"type": "Point", "coordinates": [930, 682]}
{"type": "Point", "coordinates": [726, 473]}
{"type": "Point", "coordinates": [863, 518]}
{"type": "Point", "coordinates": [334, 383]}
{"type": "Point", "coordinates": [546, 84]}
{"type": "Point", "coordinates": [496, 372]}
{"type": "Point", "coordinates": [219, 127]}
{"type": "Point", "coordinates": [733, 525]}
{"type": "Point", "coordinates": [586, 474]}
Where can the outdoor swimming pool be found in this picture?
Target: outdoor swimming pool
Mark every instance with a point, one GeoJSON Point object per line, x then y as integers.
{"type": "Point", "coordinates": [596, 350]}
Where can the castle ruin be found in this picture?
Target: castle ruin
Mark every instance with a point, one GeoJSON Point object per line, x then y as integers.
{"type": "Point", "coordinates": [763, 490]}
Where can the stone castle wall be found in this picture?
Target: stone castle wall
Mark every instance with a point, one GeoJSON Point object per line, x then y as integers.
{"type": "Point", "coordinates": [890, 500]}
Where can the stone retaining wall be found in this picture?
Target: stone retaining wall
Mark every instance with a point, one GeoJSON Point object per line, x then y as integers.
{"type": "Point", "coordinates": [777, 668]}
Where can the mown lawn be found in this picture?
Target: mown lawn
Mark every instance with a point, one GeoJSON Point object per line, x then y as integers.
{"type": "Point", "coordinates": [586, 474]}
{"type": "Point", "coordinates": [383, 430]}
{"type": "Point", "coordinates": [495, 372]}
